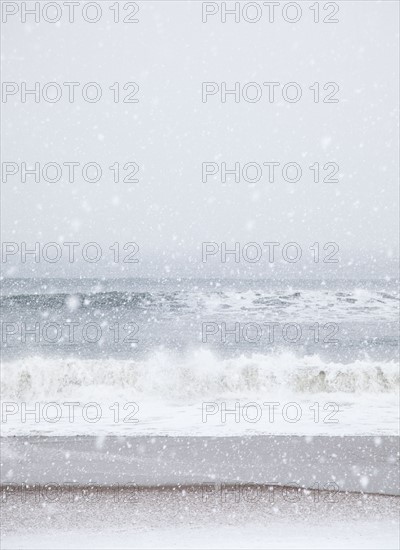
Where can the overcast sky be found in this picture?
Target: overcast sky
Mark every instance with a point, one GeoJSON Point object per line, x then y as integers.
{"type": "Point", "coordinates": [171, 132]}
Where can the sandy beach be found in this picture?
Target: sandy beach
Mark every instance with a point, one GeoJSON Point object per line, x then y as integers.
{"type": "Point", "coordinates": [197, 517]}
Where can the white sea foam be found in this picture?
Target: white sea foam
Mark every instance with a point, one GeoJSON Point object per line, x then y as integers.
{"type": "Point", "coordinates": [200, 375]}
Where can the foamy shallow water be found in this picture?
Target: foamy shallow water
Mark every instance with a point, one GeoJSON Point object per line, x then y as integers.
{"type": "Point", "coordinates": [199, 394]}
{"type": "Point", "coordinates": [365, 416]}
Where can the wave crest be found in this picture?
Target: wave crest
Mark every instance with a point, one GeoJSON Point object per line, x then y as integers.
{"type": "Point", "coordinates": [200, 374]}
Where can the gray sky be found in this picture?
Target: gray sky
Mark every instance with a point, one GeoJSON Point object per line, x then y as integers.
{"type": "Point", "coordinates": [171, 132]}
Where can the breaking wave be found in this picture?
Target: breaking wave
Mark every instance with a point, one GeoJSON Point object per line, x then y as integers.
{"type": "Point", "coordinates": [198, 375]}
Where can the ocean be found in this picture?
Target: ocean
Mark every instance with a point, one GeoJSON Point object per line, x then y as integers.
{"type": "Point", "coordinates": [180, 354]}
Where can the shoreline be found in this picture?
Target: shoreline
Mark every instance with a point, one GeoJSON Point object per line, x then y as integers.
{"type": "Point", "coordinates": [360, 464]}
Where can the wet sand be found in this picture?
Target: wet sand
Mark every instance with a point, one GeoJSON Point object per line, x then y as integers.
{"type": "Point", "coordinates": [352, 463]}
